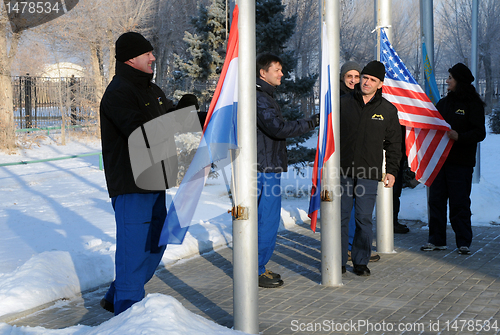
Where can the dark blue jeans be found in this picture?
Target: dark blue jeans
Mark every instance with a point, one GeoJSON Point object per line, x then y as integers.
{"type": "Point", "coordinates": [452, 185]}
{"type": "Point", "coordinates": [139, 220]}
{"type": "Point", "coordinates": [364, 191]}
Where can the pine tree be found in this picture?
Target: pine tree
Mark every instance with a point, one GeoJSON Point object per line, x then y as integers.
{"type": "Point", "coordinates": [207, 47]}
{"type": "Point", "coordinates": [273, 32]}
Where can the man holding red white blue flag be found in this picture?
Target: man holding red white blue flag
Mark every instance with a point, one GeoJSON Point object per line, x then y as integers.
{"type": "Point", "coordinates": [272, 132]}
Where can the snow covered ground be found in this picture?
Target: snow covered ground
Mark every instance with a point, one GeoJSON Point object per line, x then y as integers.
{"type": "Point", "coordinates": [58, 232]}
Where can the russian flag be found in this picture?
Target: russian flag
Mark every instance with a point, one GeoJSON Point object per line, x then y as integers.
{"type": "Point", "coordinates": [326, 144]}
{"type": "Point", "coordinates": [219, 136]}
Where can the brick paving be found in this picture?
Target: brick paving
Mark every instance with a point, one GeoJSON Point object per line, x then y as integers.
{"type": "Point", "coordinates": [422, 292]}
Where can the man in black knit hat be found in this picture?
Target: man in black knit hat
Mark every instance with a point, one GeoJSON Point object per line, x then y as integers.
{"type": "Point", "coordinates": [368, 125]}
{"type": "Point", "coordinates": [131, 100]}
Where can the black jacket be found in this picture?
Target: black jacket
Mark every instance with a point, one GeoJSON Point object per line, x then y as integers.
{"type": "Point", "coordinates": [273, 129]}
{"type": "Point", "coordinates": [344, 89]}
{"type": "Point", "coordinates": [365, 130]}
{"type": "Point", "coordinates": [130, 100]}
{"type": "Point", "coordinates": [466, 117]}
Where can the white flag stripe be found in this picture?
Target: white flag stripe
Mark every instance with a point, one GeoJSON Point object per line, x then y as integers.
{"type": "Point", "coordinates": [397, 99]}
{"type": "Point", "coordinates": [403, 85]}
{"type": "Point", "coordinates": [421, 119]}
{"type": "Point", "coordinates": [229, 91]}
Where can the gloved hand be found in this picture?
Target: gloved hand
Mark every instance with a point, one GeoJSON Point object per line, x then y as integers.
{"type": "Point", "coordinates": [314, 121]}
{"type": "Point", "coordinates": [187, 100]}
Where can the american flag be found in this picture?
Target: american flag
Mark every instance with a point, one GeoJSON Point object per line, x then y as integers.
{"type": "Point", "coordinates": [427, 144]}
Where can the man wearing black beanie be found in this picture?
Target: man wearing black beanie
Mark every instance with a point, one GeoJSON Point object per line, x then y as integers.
{"type": "Point", "coordinates": [131, 100]}
{"type": "Point", "coordinates": [369, 125]}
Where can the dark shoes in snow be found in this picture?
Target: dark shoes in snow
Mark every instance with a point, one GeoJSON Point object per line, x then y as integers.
{"type": "Point", "coordinates": [107, 305]}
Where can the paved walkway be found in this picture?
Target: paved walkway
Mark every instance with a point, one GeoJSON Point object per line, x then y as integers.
{"type": "Point", "coordinates": [409, 292]}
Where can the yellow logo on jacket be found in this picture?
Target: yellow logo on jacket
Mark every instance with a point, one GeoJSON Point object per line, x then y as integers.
{"type": "Point", "coordinates": [377, 117]}
{"type": "Point", "coordinates": [460, 112]}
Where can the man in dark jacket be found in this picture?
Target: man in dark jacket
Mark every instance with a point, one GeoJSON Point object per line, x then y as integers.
{"type": "Point", "coordinates": [131, 100]}
{"type": "Point", "coordinates": [272, 132]}
{"type": "Point", "coordinates": [368, 125]}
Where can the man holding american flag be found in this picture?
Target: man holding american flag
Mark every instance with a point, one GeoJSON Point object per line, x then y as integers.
{"type": "Point", "coordinates": [368, 125]}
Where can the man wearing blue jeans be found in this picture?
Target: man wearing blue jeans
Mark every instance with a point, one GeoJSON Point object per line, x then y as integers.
{"type": "Point", "coordinates": [272, 132]}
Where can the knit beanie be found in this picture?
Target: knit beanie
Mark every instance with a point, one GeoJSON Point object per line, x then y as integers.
{"type": "Point", "coordinates": [130, 45]}
{"type": "Point", "coordinates": [461, 73]}
{"type": "Point", "coordinates": [376, 69]}
{"type": "Point", "coordinates": [348, 66]}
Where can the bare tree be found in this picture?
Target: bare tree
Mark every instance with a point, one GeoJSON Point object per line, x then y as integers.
{"type": "Point", "coordinates": [356, 23]}
{"type": "Point", "coordinates": [8, 47]}
{"type": "Point", "coordinates": [168, 24]}
{"type": "Point", "coordinates": [454, 34]}
{"type": "Point", "coordinates": [406, 34]}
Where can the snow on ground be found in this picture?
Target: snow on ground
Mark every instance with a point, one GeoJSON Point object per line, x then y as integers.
{"type": "Point", "coordinates": [58, 231]}
{"type": "Point", "coordinates": [155, 314]}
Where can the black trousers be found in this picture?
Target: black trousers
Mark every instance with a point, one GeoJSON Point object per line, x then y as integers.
{"type": "Point", "coordinates": [453, 184]}
{"type": "Point", "coordinates": [396, 192]}
{"type": "Point", "coordinates": [365, 193]}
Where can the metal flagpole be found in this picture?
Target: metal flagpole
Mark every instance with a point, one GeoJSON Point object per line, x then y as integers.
{"type": "Point", "coordinates": [385, 228]}
{"type": "Point", "coordinates": [331, 251]}
{"type": "Point", "coordinates": [474, 67]}
{"type": "Point", "coordinates": [245, 263]}
{"type": "Point", "coordinates": [427, 33]}
{"type": "Point", "coordinates": [427, 29]}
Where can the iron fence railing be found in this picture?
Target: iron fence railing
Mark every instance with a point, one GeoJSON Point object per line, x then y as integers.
{"type": "Point", "coordinates": [42, 102]}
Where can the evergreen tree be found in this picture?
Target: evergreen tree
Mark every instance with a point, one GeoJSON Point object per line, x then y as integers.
{"type": "Point", "coordinates": [273, 32]}
{"type": "Point", "coordinates": [207, 47]}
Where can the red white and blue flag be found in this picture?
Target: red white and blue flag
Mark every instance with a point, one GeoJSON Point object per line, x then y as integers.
{"type": "Point", "coordinates": [219, 136]}
{"type": "Point", "coordinates": [427, 144]}
{"type": "Point", "coordinates": [326, 144]}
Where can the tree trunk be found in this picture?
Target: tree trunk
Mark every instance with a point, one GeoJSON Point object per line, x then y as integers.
{"type": "Point", "coordinates": [488, 73]}
{"type": "Point", "coordinates": [7, 129]}
{"type": "Point", "coordinates": [99, 89]}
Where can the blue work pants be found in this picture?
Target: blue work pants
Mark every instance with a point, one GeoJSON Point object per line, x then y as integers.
{"type": "Point", "coordinates": [269, 215]}
{"type": "Point", "coordinates": [139, 221]}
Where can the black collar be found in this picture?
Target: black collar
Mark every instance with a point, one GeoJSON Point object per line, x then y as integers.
{"type": "Point", "coordinates": [358, 95]}
{"type": "Point", "coordinates": [264, 86]}
{"type": "Point", "coordinates": [137, 77]}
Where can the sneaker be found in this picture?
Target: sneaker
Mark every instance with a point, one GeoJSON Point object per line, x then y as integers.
{"type": "Point", "coordinates": [361, 270]}
{"type": "Point", "coordinates": [400, 228]}
{"type": "Point", "coordinates": [266, 280]}
{"type": "Point", "coordinates": [464, 250]}
{"type": "Point", "coordinates": [107, 305]}
{"type": "Point", "coordinates": [373, 257]}
{"type": "Point", "coordinates": [432, 247]}
{"type": "Point", "coordinates": [273, 274]}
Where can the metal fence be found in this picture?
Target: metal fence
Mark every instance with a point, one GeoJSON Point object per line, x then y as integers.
{"type": "Point", "coordinates": [481, 87]}
{"type": "Point", "coordinates": [42, 102]}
